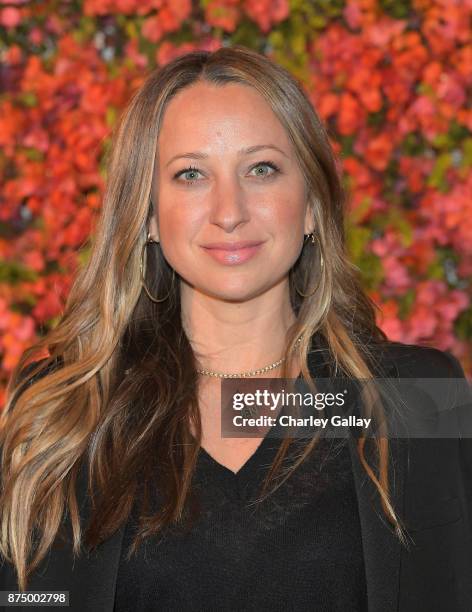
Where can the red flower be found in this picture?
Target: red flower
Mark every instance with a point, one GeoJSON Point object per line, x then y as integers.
{"type": "Point", "coordinates": [266, 12]}
{"type": "Point", "coordinates": [223, 14]}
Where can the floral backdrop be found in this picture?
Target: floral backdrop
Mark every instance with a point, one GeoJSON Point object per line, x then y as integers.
{"type": "Point", "coordinates": [390, 78]}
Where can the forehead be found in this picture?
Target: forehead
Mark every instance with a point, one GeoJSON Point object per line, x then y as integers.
{"type": "Point", "coordinates": [234, 112]}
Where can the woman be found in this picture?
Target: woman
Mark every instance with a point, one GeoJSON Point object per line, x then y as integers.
{"type": "Point", "coordinates": [220, 251]}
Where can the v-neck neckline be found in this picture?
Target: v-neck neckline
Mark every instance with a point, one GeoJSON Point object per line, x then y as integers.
{"type": "Point", "coordinates": [262, 457]}
{"type": "Point", "coordinates": [264, 449]}
{"type": "Point", "coordinates": [251, 459]}
{"type": "Point", "coordinates": [238, 485]}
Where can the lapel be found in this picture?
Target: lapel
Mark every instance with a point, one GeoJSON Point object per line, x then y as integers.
{"type": "Point", "coordinates": [91, 578]}
{"type": "Point", "coordinates": [381, 547]}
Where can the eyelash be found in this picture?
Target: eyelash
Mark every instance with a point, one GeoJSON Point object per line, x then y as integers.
{"type": "Point", "coordinates": [262, 163]}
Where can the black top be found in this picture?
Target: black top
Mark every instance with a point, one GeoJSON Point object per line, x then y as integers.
{"type": "Point", "coordinates": [431, 487]}
{"type": "Point", "coordinates": [300, 549]}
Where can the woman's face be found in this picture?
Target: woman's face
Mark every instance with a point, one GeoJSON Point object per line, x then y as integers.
{"type": "Point", "coordinates": [226, 172]}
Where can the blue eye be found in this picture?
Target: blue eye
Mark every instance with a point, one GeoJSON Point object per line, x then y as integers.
{"type": "Point", "coordinates": [192, 170]}
{"type": "Point", "coordinates": [269, 164]}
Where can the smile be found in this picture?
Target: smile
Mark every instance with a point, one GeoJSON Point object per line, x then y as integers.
{"type": "Point", "coordinates": [233, 257]}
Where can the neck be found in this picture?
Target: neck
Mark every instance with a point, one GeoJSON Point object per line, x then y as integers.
{"type": "Point", "coordinates": [234, 337]}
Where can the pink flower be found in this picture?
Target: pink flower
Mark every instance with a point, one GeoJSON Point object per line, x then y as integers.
{"type": "Point", "coordinates": [423, 321]}
{"type": "Point", "coordinates": [450, 90]}
{"type": "Point", "coordinates": [10, 17]}
{"type": "Point", "coordinates": [152, 29]}
{"type": "Point", "coordinates": [25, 329]}
{"type": "Point", "coordinates": [267, 12]}
{"type": "Point", "coordinates": [353, 14]}
{"type": "Point", "coordinates": [381, 32]}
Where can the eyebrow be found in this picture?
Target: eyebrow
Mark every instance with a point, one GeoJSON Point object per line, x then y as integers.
{"type": "Point", "coordinates": [246, 151]}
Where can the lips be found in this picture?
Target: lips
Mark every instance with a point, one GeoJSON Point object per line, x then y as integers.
{"type": "Point", "coordinates": [233, 253]}
{"type": "Point", "coordinates": [232, 246]}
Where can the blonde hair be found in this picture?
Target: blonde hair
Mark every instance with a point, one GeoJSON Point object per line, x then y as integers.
{"type": "Point", "coordinates": [124, 426]}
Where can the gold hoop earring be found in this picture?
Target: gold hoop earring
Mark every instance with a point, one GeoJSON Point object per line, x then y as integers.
{"type": "Point", "coordinates": [142, 268]}
{"type": "Point", "coordinates": [313, 236]}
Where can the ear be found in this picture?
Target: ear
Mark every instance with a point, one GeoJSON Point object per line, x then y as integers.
{"type": "Point", "coordinates": [153, 229]}
{"type": "Point", "coordinates": [309, 221]}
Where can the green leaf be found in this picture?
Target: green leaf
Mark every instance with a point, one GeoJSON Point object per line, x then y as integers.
{"type": "Point", "coordinates": [28, 98]}
{"type": "Point", "coordinates": [406, 231]}
{"type": "Point", "coordinates": [357, 238]}
{"type": "Point", "coordinates": [463, 325]}
{"type": "Point", "coordinates": [394, 218]}
{"type": "Point", "coordinates": [437, 177]}
{"type": "Point", "coordinates": [347, 144]}
{"type": "Point", "coordinates": [84, 254]}
{"type": "Point", "coordinates": [467, 153]}
{"type": "Point", "coordinates": [435, 270]}
{"type": "Point", "coordinates": [413, 144]}
{"type": "Point", "coordinates": [371, 270]}
{"type": "Point", "coordinates": [12, 272]}
{"type": "Point", "coordinates": [110, 116]}
{"type": "Point", "coordinates": [132, 28]}
{"type": "Point", "coordinates": [356, 214]}
{"type": "Point", "coordinates": [33, 154]}
{"type": "Point", "coordinates": [405, 303]}
{"type": "Point", "coordinates": [398, 9]}
{"type": "Point", "coordinates": [87, 26]}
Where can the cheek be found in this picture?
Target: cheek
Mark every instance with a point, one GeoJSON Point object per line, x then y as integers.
{"type": "Point", "coordinates": [172, 213]}
{"type": "Point", "coordinates": [294, 215]}
{"type": "Point", "coordinates": [288, 215]}
{"type": "Point", "coordinates": [178, 226]}
{"type": "Point", "coordinates": [289, 228]}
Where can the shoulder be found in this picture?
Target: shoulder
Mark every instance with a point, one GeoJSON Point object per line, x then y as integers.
{"type": "Point", "coordinates": [387, 358]}
{"type": "Point", "coordinates": [401, 360]}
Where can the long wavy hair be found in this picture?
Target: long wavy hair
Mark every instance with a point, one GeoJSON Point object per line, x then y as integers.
{"type": "Point", "coordinates": [124, 394]}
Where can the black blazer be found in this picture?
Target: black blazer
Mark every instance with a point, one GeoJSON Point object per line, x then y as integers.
{"type": "Point", "coordinates": [431, 488]}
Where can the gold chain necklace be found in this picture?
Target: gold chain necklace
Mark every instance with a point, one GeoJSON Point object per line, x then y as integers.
{"type": "Point", "coordinates": [267, 368]}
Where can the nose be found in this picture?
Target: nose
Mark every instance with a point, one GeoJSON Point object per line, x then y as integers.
{"type": "Point", "coordinates": [228, 206]}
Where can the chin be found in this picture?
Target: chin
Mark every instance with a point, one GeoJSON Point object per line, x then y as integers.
{"type": "Point", "coordinates": [239, 291]}
{"type": "Point", "coordinates": [234, 294]}
{"type": "Point", "coordinates": [229, 288]}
